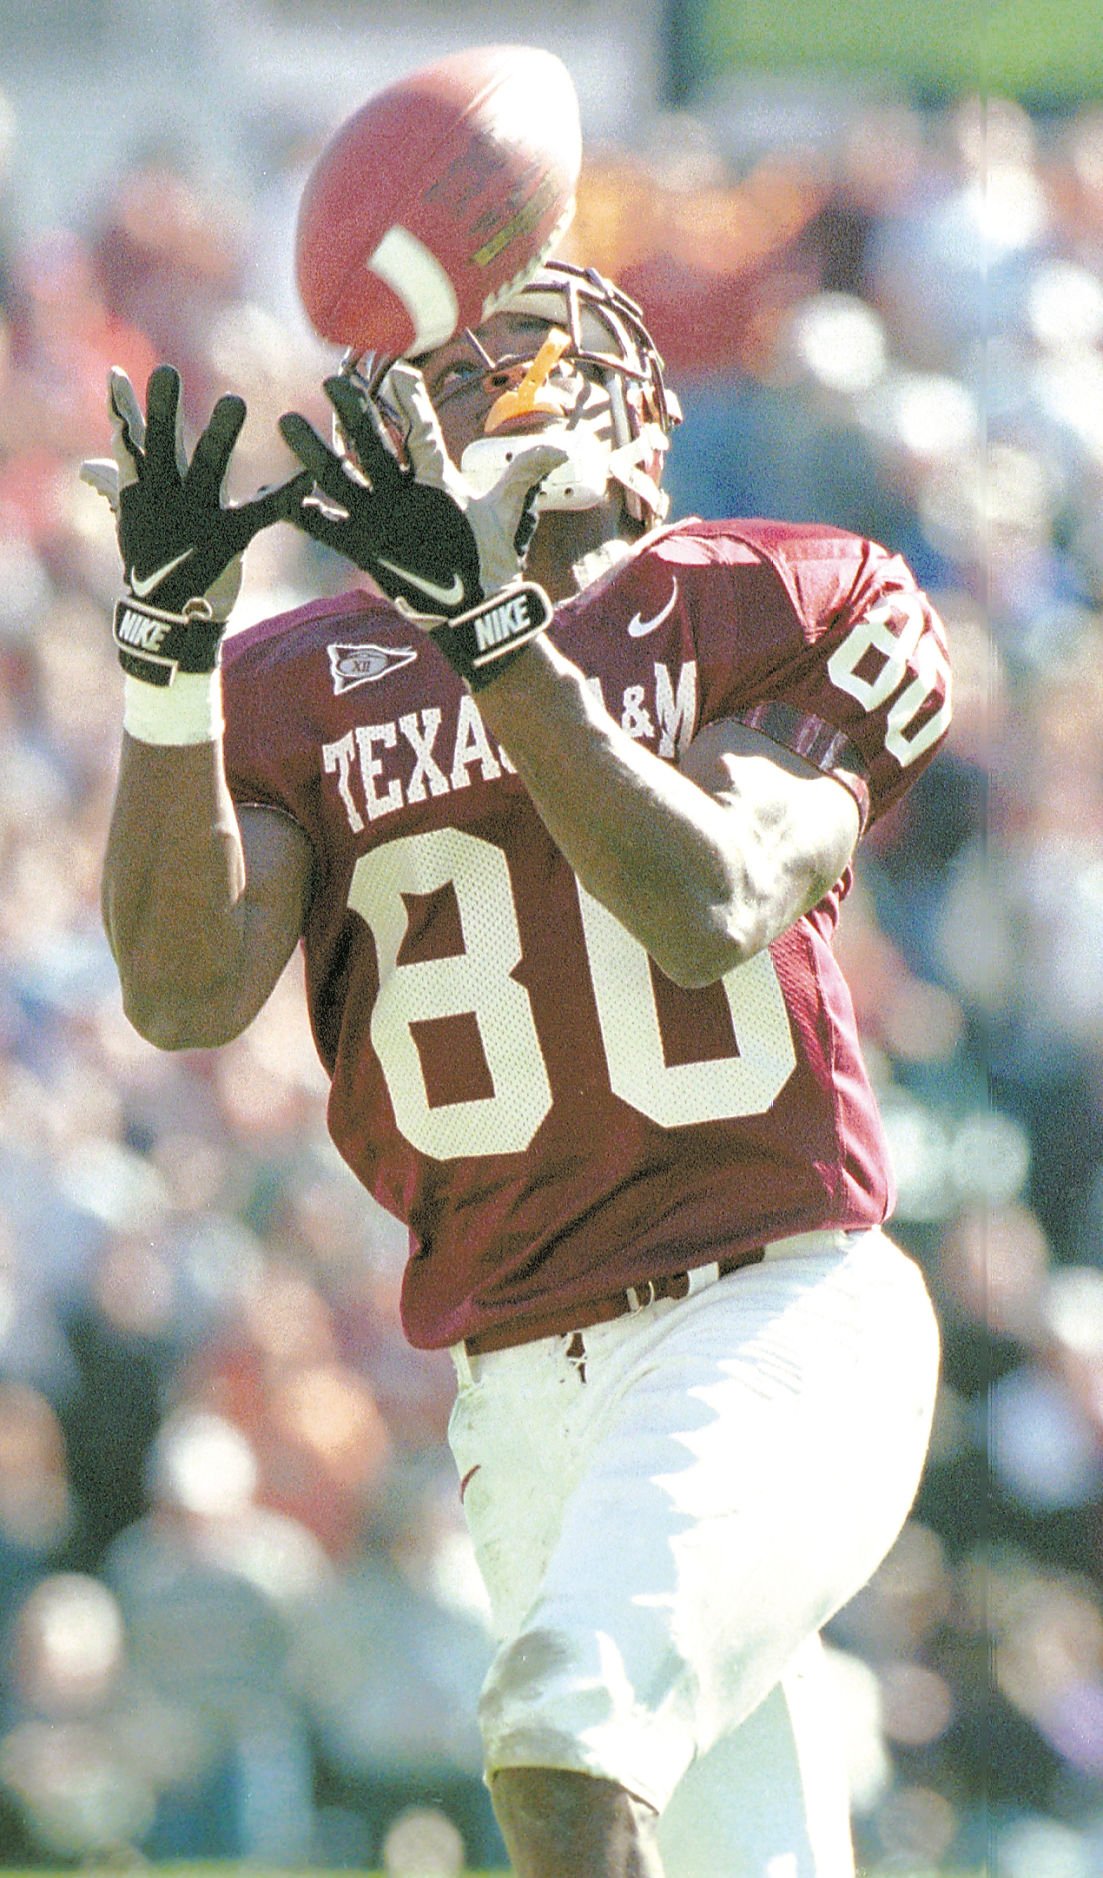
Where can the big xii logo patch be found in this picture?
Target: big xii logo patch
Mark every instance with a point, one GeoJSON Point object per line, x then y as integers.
{"type": "Point", "coordinates": [364, 664]}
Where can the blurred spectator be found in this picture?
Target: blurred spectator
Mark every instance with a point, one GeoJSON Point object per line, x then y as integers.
{"type": "Point", "coordinates": [61, 1758]}
{"type": "Point", "coordinates": [39, 1513]}
{"type": "Point", "coordinates": [206, 1584]}
{"type": "Point", "coordinates": [321, 1443]}
{"type": "Point", "coordinates": [389, 1664]}
{"type": "Point", "coordinates": [169, 257]}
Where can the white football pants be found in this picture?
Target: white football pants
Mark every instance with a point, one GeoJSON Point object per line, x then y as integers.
{"type": "Point", "coordinates": [665, 1524]}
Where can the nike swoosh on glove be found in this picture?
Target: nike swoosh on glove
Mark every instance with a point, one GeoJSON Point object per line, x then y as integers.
{"type": "Point", "coordinates": [416, 527]}
{"type": "Point", "coordinates": [181, 543]}
{"type": "Point", "coordinates": [443, 554]}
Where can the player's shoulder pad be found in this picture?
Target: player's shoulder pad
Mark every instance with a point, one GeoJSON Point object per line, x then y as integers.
{"type": "Point", "coordinates": [784, 539]}
{"type": "Point", "coordinates": [734, 539]}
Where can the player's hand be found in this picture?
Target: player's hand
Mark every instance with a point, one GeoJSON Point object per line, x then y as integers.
{"type": "Point", "coordinates": [447, 557]}
{"type": "Point", "coordinates": [181, 544]}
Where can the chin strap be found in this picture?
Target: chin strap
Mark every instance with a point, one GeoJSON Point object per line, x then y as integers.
{"type": "Point", "coordinates": [637, 466]}
{"type": "Point", "coordinates": [582, 480]}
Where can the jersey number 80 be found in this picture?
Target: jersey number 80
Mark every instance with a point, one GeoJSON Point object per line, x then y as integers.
{"type": "Point", "coordinates": [480, 979]}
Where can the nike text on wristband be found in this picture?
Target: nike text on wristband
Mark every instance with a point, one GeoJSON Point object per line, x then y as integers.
{"type": "Point", "coordinates": [154, 645]}
{"type": "Point", "coordinates": [475, 643]}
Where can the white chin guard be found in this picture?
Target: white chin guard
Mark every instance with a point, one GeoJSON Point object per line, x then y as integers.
{"type": "Point", "coordinates": [579, 483]}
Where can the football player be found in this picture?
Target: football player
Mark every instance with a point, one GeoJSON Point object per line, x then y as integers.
{"type": "Point", "coordinates": [562, 806]}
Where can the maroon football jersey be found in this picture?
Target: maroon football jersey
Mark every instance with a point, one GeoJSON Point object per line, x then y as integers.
{"type": "Point", "coordinates": [511, 1074]}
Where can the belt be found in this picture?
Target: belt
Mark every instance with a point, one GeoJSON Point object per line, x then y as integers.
{"type": "Point", "coordinates": [566, 1320]}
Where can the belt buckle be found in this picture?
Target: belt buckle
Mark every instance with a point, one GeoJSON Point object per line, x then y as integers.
{"type": "Point", "coordinates": [639, 1298]}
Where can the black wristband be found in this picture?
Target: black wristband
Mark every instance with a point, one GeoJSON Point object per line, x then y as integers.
{"type": "Point", "coordinates": [154, 645]}
{"type": "Point", "coordinates": [479, 643]}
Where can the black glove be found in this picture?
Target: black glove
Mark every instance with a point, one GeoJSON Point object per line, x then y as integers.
{"type": "Point", "coordinates": [449, 559]}
{"type": "Point", "coordinates": [181, 546]}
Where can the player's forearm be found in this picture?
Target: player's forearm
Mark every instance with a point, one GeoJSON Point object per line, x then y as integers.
{"type": "Point", "coordinates": [644, 839]}
{"type": "Point", "coordinates": [173, 886]}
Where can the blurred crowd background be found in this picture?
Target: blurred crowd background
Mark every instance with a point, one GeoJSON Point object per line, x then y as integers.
{"type": "Point", "coordinates": [238, 1614]}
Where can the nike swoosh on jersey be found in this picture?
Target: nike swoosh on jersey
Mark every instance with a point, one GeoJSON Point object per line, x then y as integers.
{"type": "Point", "coordinates": [447, 596]}
{"type": "Point", "coordinates": [143, 585]}
{"type": "Point", "coordinates": [638, 628]}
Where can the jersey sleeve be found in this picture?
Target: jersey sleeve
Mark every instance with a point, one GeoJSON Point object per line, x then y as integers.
{"type": "Point", "coordinates": [838, 656]}
{"type": "Point", "coordinates": [278, 694]}
{"type": "Point", "coordinates": [260, 767]}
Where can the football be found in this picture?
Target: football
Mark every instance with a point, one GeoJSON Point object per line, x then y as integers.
{"type": "Point", "coordinates": [438, 198]}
